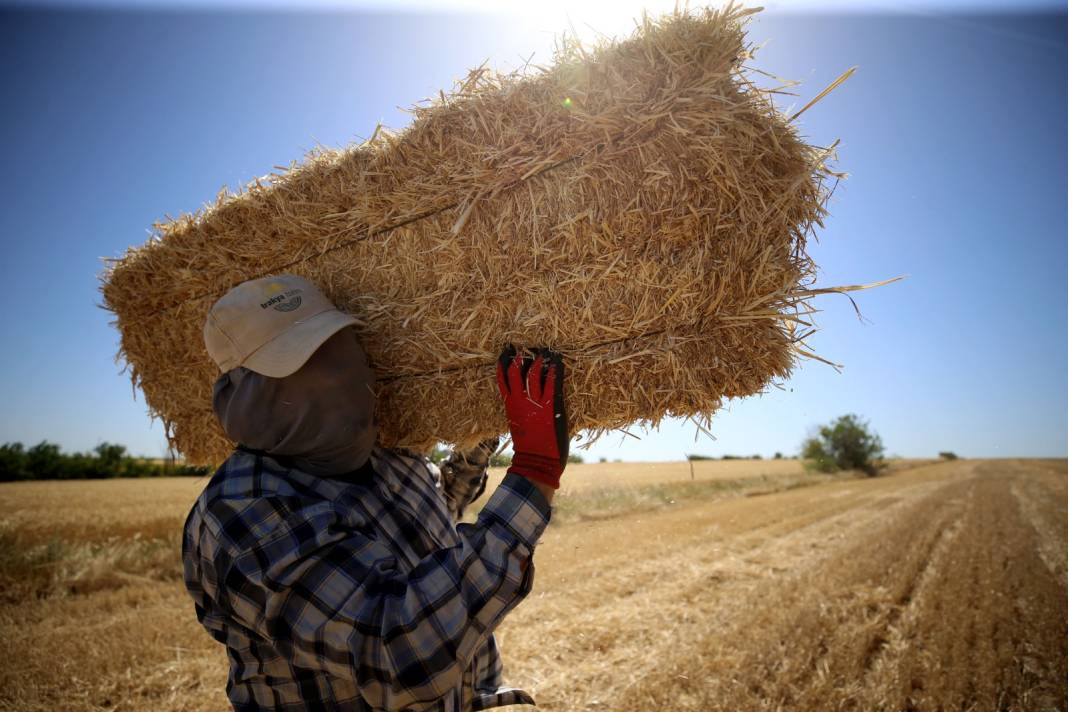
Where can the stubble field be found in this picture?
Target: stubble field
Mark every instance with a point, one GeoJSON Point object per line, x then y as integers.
{"type": "Point", "coordinates": [752, 586]}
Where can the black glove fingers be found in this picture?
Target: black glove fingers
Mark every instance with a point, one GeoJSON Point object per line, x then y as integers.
{"type": "Point", "coordinates": [546, 356]}
{"type": "Point", "coordinates": [563, 434]}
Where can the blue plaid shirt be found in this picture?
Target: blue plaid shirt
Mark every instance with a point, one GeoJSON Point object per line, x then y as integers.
{"type": "Point", "coordinates": [360, 592]}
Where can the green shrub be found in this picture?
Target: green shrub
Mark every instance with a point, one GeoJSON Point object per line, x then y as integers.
{"type": "Point", "coordinates": [574, 459]}
{"type": "Point", "coordinates": [14, 464]}
{"type": "Point", "coordinates": [846, 444]}
{"type": "Point", "coordinates": [44, 461]}
{"type": "Point", "coordinates": [948, 455]}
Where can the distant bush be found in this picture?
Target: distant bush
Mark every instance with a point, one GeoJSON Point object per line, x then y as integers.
{"type": "Point", "coordinates": [602, 459]}
{"type": "Point", "coordinates": [846, 444]}
{"type": "Point", "coordinates": [699, 457]}
{"type": "Point", "coordinates": [500, 460]}
{"type": "Point", "coordinates": [778, 456]}
{"type": "Point", "coordinates": [947, 455]}
{"type": "Point", "coordinates": [44, 461]}
{"type": "Point", "coordinates": [756, 457]}
{"type": "Point", "coordinates": [732, 457]}
{"type": "Point", "coordinates": [13, 462]}
{"type": "Point", "coordinates": [574, 459]}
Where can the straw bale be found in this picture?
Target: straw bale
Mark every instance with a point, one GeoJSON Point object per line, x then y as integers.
{"type": "Point", "coordinates": [640, 206]}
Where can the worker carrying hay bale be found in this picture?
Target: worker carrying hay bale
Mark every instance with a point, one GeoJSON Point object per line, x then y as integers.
{"type": "Point", "coordinates": [640, 208]}
{"type": "Point", "coordinates": [335, 570]}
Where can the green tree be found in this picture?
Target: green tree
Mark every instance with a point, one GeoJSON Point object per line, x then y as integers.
{"type": "Point", "coordinates": [82, 466]}
{"type": "Point", "coordinates": [45, 462]}
{"type": "Point", "coordinates": [13, 462]}
{"type": "Point", "coordinates": [848, 443]}
{"type": "Point", "coordinates": [575, 459]}
{"type": "Point", "coordinates": [109, 460]}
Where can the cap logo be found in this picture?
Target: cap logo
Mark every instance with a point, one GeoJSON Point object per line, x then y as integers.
{"type": "Point", "coordinates": [288, 306]}
{"type": "Point", "coordinates": [286, 302]}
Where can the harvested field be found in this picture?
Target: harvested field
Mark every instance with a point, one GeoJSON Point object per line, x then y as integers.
{"type": "Point", "coordinates": [615, 475]}
{"type": "Point", "coordinates": [942, 586]}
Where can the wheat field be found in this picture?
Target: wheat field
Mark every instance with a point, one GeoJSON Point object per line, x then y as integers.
{"type": "Point", "coordinates": [752, 586]}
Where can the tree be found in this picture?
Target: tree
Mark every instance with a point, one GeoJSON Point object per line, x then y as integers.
{"type": "Point", "coordinates": [574, 459]}
{"type": "Point", "coordinates": [110, 458]}
{"type": "Point", "coordinates": [44, 461]}
{"type": "Point", "coordinates": [13, 462]}
{"type": "Point", "coordinates": [947, 455]}
{"type": "Point", "coordinates": [848, 443]}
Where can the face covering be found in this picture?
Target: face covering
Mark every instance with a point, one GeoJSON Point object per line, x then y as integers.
{"type": "Point", "coordinates": [318, 417]}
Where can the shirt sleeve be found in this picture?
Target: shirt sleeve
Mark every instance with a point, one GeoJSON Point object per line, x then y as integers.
{"type": "Point", "coordinates": [464, 475]}
{"type": "Point", "coordinates": [333, 599]}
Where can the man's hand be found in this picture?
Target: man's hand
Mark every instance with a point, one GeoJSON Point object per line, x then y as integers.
{"type": "Point", "coordinates": [463, 475]}
{"type": "Point", "coordinates": [532, 389]}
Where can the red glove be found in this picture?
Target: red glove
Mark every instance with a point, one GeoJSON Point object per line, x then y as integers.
{"type": "Point", "coordinates": [533, 393]}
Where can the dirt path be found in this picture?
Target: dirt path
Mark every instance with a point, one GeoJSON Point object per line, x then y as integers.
{"type": "Point", "coordinates": [939, 588]}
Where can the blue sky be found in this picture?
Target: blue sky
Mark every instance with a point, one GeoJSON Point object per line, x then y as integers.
{"type": "Point", "coordinates": [952, 131]}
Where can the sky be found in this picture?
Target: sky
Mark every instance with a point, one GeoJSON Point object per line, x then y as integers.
{"type": "Point", "coordinates": [952, 130]}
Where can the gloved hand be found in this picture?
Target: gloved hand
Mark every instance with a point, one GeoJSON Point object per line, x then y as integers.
{"type": "Point", "coordinates": [533, 393]}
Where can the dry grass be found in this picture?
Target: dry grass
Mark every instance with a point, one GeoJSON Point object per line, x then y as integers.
{"type": "Point", "coordinates": [608, 490]}
{"type": "Point", "coordinates": [626, 475]}
{"type": "Point", "coordinates": [620, 475]}
{"type": "Point", "coordinates": [938, 587]}
{"type": "Point", "coordinates": [640, 206]}
{"type": "Point", "coordinates": [99, 509]}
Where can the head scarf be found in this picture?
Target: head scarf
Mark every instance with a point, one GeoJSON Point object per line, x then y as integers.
{"type": "Point", "coordinates": [319, 417]}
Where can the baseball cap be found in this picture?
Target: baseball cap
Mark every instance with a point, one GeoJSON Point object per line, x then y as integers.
{"type": "Point", "coordinates": [271, 325]}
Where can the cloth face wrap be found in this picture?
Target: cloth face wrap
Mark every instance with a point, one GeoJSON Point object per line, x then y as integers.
{"type": "Point", "coordinates": [319, 416]}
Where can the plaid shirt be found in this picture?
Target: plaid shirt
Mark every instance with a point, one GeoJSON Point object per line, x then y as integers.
{"type": "Point", "coordinates": [361, 592]}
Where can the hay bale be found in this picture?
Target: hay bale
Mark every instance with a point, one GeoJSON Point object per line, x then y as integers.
{"type": "Point", "coordinates": [640, 207]}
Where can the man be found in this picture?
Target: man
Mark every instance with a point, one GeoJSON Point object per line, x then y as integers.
{"type": "Point", "coordinates": [332, 568]}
